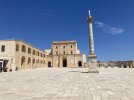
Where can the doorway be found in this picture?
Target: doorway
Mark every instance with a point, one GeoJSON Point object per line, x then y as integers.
{"type": "Point", "coordinates": [5, 65]}
{"type": "Point", "coordinates": [1, 66]}
{"type": "Point", "coordinates": [64, 62]}
{"type": "Point", "coordinates": [49, 64]}
{"type": "Point", "coordinates": [125, 66]}
{"type": "Point", "coordinates": [80, 63]}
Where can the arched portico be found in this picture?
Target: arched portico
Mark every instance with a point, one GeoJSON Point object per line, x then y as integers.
{"type": "Point", "coordinates": [29, 63]}
{"type": "Point", "coordinates": [23, 62]}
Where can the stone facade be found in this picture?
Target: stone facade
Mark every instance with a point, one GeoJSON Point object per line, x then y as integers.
{"type": "Point", "coordinates": [16, 54]}
{"type": "Point", "coordinates": [20, 55]}
{"type": "Point", "coordinates": [65, 54]}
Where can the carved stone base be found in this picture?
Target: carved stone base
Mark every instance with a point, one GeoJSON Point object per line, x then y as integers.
{"type": "Point", "coordinates": [92, 64]}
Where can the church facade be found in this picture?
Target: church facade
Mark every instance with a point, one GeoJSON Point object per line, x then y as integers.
{"type": "Point", "coordinates": [65, 54]}
{"type": "Point", "coordinates": [17, 54]}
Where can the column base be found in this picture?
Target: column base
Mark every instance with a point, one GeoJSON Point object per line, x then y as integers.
{"type": "Point", "coordinates": [92, 64]}
{"type": "Point", "coordinates": [96, 71]}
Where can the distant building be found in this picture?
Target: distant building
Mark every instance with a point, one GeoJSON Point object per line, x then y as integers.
{"type": "Point", "coordinates": [119, 64]}
{"type": "Point", "coordinates": [16, 54]}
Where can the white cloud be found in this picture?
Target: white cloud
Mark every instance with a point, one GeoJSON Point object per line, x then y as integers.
{"type": "Point", "coordinates": [99, 24]}
{"type": "Point", "coordinates": [109, 29]}
{"type": "Point", "coordinates": [114, 30]}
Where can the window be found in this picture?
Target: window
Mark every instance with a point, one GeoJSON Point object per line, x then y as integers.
{"type": "Point", "coordinates": [2, 48]}
{"type": "Point", "coordinates": [17, 47]}
{"type": "Point", "coordinates": [29, 50]}
{"type": "Point", "coordinates": [71, 46]}
{"type": "Point", "coordinates": [23, 48]}
{"type": "Point", "coordinates": [64, 52]}
{"type": "Point", "coordinates": [44, 55]}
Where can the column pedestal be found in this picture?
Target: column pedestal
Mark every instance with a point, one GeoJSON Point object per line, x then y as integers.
{"type": "Point", "coordinates": [92, 61]}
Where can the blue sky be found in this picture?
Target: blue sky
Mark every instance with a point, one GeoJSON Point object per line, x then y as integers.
{"type": "Point", "coordinates": [41, 22]}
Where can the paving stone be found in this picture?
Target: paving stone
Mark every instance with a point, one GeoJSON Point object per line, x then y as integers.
{"type": "Point", "coordinates": [67, 84]}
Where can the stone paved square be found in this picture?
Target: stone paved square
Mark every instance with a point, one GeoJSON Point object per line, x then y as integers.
{"type": "Point", "coordinates": [67, 84]}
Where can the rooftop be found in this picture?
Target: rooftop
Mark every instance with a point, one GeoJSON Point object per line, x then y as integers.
{"type": "Point", "coordinates": [73, 41]}
{"type": "Point", "coordinates": [23, 42]}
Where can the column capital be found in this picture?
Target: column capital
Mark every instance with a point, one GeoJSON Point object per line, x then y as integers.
{"type": "Point", "coordinates": [89, 19]}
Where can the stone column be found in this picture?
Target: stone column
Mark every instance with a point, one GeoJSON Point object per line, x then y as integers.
{"type": "Point", "coordinates": [92, 57]}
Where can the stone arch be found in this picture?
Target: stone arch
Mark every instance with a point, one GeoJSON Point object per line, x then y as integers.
{"type": "Point", "coordinates": [23, 48]}
{"type": "Point", "coordinates": [17, 47]}
{"type": "Point", "coordinates": [80, 63]}
{"type": "Point", "coordinates": [33, 52]}
{"type": "Point", "coordinates": [29, 62]}
{"type": "Point", "coordinates": [29, 50]}
{"type": "Point", "coordinates": [23, 62]}
{"type": "Point", "coordinates": [33, 62]}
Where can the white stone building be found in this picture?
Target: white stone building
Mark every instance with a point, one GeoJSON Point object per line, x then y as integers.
{"type": "Point", "coordinates": [65, 54]}
{"type": "Point", "coordinates": [17, 54]}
